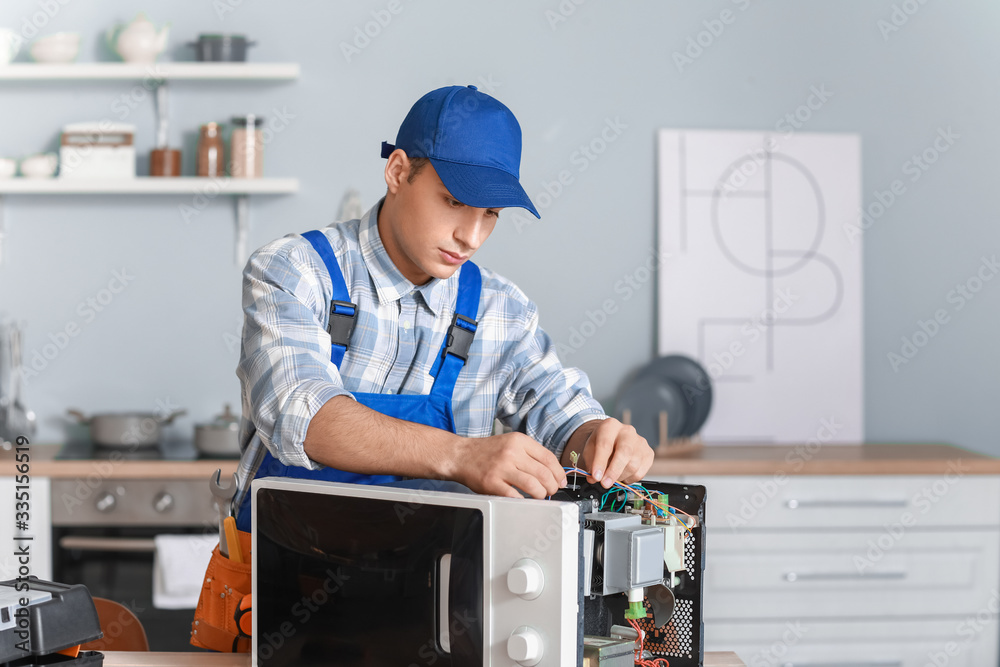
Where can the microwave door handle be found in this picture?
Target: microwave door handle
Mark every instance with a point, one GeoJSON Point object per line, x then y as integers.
{"type": "Point", "coordinates": [443, 580]}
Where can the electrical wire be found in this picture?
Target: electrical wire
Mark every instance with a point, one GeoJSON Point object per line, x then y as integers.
{"type": "Point", "coordinates": [641, 491]}
{"type": "Point", "coordinates": [639, 650]}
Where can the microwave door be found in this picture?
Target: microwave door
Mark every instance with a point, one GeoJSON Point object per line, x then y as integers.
{"type": "Point", "coordinates": [351, 578]}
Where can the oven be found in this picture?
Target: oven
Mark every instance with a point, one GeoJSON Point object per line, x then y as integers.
{"type": "Point", "coordinates": [103, 537]}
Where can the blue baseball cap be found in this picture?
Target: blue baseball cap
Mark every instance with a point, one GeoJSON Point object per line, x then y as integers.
{"type": "Point", "coordinates": [474, 143]}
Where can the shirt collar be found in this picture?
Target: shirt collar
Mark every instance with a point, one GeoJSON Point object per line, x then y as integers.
{"type": "Point", "coordinates": [390, 284]}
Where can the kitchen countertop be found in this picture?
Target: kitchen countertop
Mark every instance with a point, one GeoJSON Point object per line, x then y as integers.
{"type": "Point", "coordinates": [44, 464]}
{"type": "Point", "coordinates": [814, 459]}
{"type": "Point", "coordinates": [869, 459]}
{"type": "Point", "coordinates": [152, 659]}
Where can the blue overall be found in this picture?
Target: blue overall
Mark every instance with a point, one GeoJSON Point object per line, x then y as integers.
{"type": "Point", "coordinates": [433, 409]}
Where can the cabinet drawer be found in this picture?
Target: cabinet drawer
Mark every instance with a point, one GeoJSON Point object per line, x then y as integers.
{"type": "Point", "coordinates": [800, 575]}
{"type": "Point", "coordinates": [951, 642]}
{"type": "Point", "coordinates": [748, 503]}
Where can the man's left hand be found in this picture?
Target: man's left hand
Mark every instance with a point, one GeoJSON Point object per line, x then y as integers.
{"type": "Point", "coordinates": [611, 451]}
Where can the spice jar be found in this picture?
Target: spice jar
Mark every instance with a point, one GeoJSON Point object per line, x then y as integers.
{"type": "Point", "coordinates": [210, 160]}
{"type": "Point", "coordinates": [246, 147]}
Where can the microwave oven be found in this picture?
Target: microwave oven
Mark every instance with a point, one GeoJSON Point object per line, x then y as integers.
{"type": "Point", "coordinates": [353, 574]}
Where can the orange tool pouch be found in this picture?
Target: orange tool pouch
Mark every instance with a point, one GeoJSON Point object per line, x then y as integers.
{"type": "Point", "coordinates": [216, 625]}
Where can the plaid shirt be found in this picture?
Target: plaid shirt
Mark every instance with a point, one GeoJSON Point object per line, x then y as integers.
{"type": "Point", "coordinates": [512, 373]}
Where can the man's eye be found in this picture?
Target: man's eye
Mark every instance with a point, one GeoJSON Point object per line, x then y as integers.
{"type": "Point", "coordinates": [495, 214]}
{"type": "Point", "coordinates": [454, 202]}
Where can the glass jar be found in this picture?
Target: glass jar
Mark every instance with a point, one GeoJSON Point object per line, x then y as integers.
{"type": "Point", "coordinates": [210, 160]}
{"type": "Point", "coordinates": [246, 147]}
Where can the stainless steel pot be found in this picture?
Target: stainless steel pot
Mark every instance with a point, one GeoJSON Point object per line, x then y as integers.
{"type": "Point", "coordinates": [221, 48]}
{"type": "Point", "coordinates": [126, 429]}
{"type": "Point", "coordinates": [220, 438]}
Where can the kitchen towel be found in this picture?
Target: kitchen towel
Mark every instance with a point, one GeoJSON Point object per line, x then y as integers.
{"type": "Point", "coordinates": [179, 565]}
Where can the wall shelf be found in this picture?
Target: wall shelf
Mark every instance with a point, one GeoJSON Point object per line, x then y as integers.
{"type": "Point", "coordinates": [149, 185]}
{"type": "Point", "coordinates": [159, 74]}
{"type": "Point", "coordinates": [165, 71]}
{"type": "Point", "coordinates": [238, 188]}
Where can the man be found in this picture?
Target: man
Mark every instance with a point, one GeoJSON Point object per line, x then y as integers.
{"type": "Point", "coordinates": [374, 349]}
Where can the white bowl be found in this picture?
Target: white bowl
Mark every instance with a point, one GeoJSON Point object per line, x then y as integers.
{"type": "Point", "coordinates": [40, 165]}
{"type": "Point", "coordinates": [61, 47]}
{"type": "Point", "coordinates": [8, 167]}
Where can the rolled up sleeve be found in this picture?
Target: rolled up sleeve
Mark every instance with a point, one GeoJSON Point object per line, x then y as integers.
{"type": "Point", "coordinates": [285, 370]}
{"type": "Point", "coordinates": [542, 398]}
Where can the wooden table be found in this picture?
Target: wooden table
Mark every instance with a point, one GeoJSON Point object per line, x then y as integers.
{"type": "Point", "coordinates": [140, 659]}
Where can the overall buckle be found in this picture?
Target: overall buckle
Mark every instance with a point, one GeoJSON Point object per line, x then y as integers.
{"type": "Point", "coordinates": [460, 336]}
{"type": "Point", "coordinates": [343, 316]}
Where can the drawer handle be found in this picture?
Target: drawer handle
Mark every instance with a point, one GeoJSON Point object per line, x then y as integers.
{"type": "Point", "coordinates": [885, 663]}
{"type": "Point", "coordinates": [120, 544]}
{"type": "Point", "coordinates": [792, 577]}
{"type": "Point", "coordinates": [806, 504]}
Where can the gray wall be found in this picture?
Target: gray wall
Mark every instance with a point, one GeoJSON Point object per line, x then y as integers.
{"type": "Point", "coordinates": [170, 334]}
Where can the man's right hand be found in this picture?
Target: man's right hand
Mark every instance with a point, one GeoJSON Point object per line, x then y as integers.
{"type": "Point", "coordinates": [501, 464]}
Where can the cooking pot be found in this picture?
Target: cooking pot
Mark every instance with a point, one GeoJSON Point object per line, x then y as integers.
{"type": "Point", "coordinates": [219, 438]}
{"type": "Point", "coordinates": [221, 48]}
{"type": "Point", "coordinates": [126, 429]}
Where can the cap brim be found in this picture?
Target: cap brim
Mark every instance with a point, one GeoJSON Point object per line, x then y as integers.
{"type": "Point", "coordinates": [482, 187]}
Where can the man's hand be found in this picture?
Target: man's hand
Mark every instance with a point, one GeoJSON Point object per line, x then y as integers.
{"type": "Point", "coordinates": [611, 451]}
{"type": "Point", "coordinates": [501, 464]}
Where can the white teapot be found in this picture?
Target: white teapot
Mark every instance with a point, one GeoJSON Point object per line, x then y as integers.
{"type": "Point", "coordinates": [139, 41]}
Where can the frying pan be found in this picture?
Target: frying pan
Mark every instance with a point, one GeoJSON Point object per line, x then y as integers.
{"type": "Point", "coordinates": [675, 384]}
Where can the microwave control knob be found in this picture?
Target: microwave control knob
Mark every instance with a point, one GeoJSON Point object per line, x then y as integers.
{"type": "Point", "coordinates": [524, 646]}
{"type": "Point", "coordinates": [163, 502]}
{"type": "Point", "coordinates": [525, 578]}
{"type": "Point", "coordinates": [105, 503]}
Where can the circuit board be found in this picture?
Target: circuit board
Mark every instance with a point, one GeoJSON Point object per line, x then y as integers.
{"type": "Point", "coordinates": [681, 639]}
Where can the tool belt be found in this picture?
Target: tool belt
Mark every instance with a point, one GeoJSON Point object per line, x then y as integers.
{"type": "Point", "coordinates": [222, 621]}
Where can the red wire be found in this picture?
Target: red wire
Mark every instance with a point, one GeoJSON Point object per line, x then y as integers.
{"type": "Point", "coordinates": [639, 660]}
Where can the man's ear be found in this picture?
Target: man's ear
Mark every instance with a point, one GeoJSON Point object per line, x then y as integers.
{"type": "Point", "coordinates": [397, 168]}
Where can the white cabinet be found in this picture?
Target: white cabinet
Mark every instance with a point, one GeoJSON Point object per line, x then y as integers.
{"type": "Point", "coordinates": [39, 529]}
{"type": "Point", "coordinates": [853, 571]}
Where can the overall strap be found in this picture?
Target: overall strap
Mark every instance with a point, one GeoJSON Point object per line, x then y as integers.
{"type": "Point", "coordinates": [343, 313]}
{"type": "Point", "coordinates": [458, 341]}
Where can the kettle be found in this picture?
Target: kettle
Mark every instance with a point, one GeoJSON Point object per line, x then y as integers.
{"type": "Point", "coordinates": [139, 41]}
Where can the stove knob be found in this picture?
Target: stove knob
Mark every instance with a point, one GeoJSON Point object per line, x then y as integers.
{"type": "Point", "coordinates": [105, 503]}
{"type": "Point", "coordinates": [524, 646]}
{"type": "Point", "coordinates": [163, 502]}
{"type": "Point", "coordinates": [526, 579]}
